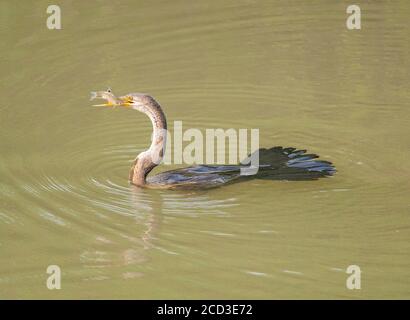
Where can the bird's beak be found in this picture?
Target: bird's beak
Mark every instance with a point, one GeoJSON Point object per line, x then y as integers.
{"type": "Point", "coordinates": [109, 97]}
{"type": "Point", "coordinates": [125, 101]}
{"type": "Point", "coordinates": [104, 105]}
{"type": "Point", "coordinates": [111, 100]}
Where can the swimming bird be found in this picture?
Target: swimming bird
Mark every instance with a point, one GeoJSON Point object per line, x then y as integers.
{"type": "Point", "coordinates": [275, 163]}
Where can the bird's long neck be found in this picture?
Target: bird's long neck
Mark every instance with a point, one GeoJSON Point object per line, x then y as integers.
{"type": "Point", "coordinates": [149, 159]}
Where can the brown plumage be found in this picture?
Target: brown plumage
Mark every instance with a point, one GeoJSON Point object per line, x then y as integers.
{"type": "Point", "coordinates": [276, 163]}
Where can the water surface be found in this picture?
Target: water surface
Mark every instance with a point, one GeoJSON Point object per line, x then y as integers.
{"type": "Point", "coordinates": [290, 69]}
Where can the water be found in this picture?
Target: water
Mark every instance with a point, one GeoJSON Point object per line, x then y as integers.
{"type": "Point", "coordinates": [292, 70]}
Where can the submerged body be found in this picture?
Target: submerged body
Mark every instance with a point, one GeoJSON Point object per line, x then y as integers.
{"type": "Point", "coordinates": [280, 164]}
{"type": "Point", "coordinates": [276, 163]}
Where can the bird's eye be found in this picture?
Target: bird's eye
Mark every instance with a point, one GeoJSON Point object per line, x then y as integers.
{"type": "Point", "coordinates": [109, 90]}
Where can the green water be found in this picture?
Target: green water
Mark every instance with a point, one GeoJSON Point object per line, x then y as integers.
{"type": "Point", "coordinates": [289, 68]}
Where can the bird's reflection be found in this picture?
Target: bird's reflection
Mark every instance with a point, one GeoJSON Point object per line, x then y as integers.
{"type": "Point", "coordinates": [150, 205]}
{"type": "Point", "coordinates": [149, 209]}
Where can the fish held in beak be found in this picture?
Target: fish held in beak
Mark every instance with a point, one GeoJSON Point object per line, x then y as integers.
{"type": "Point", "coordinates": [106, 95]}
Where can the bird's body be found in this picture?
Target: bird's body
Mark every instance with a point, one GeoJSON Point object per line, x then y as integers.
{"type": "Point", "coordinates": [276, 163]}
{"type": "Point", "coordinates": [196, 177]}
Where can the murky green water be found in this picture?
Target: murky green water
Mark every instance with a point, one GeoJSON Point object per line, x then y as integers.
{"type": "Point", "coordinates": [289, 68]}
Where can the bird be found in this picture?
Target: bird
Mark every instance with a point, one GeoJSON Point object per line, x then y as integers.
{"type": "Point", "coordinates": [275, 163]}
